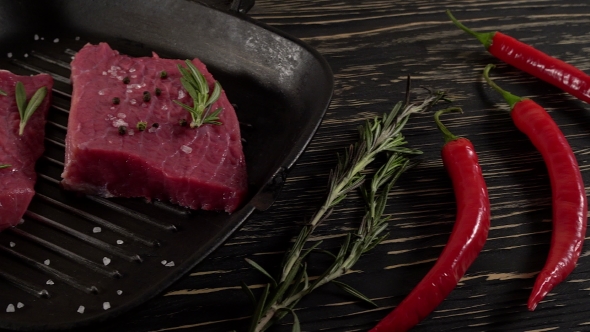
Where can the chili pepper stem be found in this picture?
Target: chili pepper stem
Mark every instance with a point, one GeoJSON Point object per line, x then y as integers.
{"type": "Point", "coordinates": [509, 97]}
{"type": "Point", "coordinates": [484, 37]}
{"type": "Point", "coordinates": [448, 136]}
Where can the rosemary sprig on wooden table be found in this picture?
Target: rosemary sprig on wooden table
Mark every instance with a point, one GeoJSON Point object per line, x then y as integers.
{"type": "Point", "coordinates": [377, 136]}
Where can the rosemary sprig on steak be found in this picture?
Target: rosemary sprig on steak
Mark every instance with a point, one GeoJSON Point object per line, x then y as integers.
{"type": "Point", "coordinates": [5, 166]}
{"type": "Point", "coordinates": [196, 85]}
{"type": "Point", "coordinates": [25, 110]}
{"type": "Point", "coordinates": [381, 135]}
{"type": "Point", "coordinates": [3, 93]}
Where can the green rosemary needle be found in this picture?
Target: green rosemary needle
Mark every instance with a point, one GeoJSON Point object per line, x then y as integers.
{"type": "Point", "coordinates": [381, 135]}
{"type": "Point", "coordinates": [25, 110]}
{"type": "Point", "coordinates": [5, 166]}
{"type": "Point", "coordinates": [3, 93]}
{"type": "Point", "coordinates": [196, 85]}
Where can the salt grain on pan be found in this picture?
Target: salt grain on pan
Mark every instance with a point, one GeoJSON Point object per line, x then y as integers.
{"type": "Point", "coordinates": [164, 262]}
{"type": "Point", "coordinates": [36, 37]}
{"type": "Point", "coordinates": [106, 261]}
{"type": "Point", "coordinates": [106, 306]}
{"type": "Point", "coordinates": [119, 292]}
{"type": "Point", "coordinates": [170, 264]}
{"type": "Point", "coordinates": [77, 38]}
{"type": "Point", "coordinates": [50, 282]}
{"type": "Point", "coordinates": [186, 149]}
{"type": "Point", "coordinates": [10, 308]}
{"type": "Point", "coordinates": [26, 55]}
{"type": "Point", "coordinates": [81, 309]}
{"type": "Point", "coordinates": [96, 230]}
{"type": "Point", "coordinates": [9, 54]}
{"type": "Point", "coordinates": [120, 242]}
{"type": "Point", "coordinates": [12, 244]}
{"type": "Point", "coordinates": [47, 262]}
{"type": "Point", "coordinates": [56, 40]}
{"type": "Point", "coordinates": [20, 305]}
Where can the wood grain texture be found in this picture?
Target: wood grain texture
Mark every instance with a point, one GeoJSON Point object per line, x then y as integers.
{"type": "Point", "coordinates": [372, 46]}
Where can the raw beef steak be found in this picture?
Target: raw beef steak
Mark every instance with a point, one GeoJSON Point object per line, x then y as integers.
{"type": "Point", "coordinates": [107, 155]}
{"type": "Point", "coordinates": [17, 181]}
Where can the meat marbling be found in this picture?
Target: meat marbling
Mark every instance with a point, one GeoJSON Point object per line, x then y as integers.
{"type": "Point", "coordinates": [199, 168]}
{"type": "Point", "coordinates": [20, 152]}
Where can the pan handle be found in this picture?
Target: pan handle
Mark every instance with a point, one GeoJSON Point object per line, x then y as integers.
{"type": "Point", "coordinates": [232, 6]}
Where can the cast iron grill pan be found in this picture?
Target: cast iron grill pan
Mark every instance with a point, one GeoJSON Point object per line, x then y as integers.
{"type": "Point", "coordinates": [80, 259]}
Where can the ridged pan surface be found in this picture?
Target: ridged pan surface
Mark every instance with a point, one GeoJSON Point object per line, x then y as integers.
{"type": "Point", "coordinates": [80, 259]}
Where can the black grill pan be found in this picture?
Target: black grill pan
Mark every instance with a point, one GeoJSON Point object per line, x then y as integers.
{"type": "Point", "coordinates": [78, 259]}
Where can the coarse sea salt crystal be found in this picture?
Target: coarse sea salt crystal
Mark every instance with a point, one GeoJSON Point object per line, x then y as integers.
{"type": "Point", "coordinates": [132, 70]}
{"type": "Point", "coordinates": [12, 244]}
{"type": "Point", "coordinates": [170, 264]}
{"type": "Point", "coordinates": [10, 308]}
{"type": "Point", "coordinates": [152, 130]}
{"type": "Point", "coordinates": [101, 92]}
{"type": "Point", "coordinates": [20, 305]}
{"type": "Point", "coordinates": [36, 37]}
{"type": "Point", "coordinates": [47, 262]}
{"type": "Point", "coordinates": [9, 54]}
{"type": "Point", "coordinates": [81, 309]}
{"type": "Point", "coordinates": [131, 132]}
{"type": "Point", "coordinates": [164, 262]}
{"type": "Point", "coordinates": [56, 40]}
{"type": "Point", "coordinates": [50, 282]}
{"type": "Point", "coordinates": [180, 94]}
{"type": "Point", "coordinates": [120, 242]}
{"type": "Point", "coordinates": [106, 306]}
{"type": "Point", "coordinates": [119, 122]}
{"type": "Point", "coordinates": [186, 149]}
{"type": "Point", "coordinates": [133, 102]}
{"type": "Point", "coordinates": [106, 261]}
{"type": "Point", "coordinates": [77, 38]}
{"type": "Point", "coordinates": [119, 292]}
{"type": "Point", "coordinates": [121, 115]}
{"type": "Point", "coordinates": [104, 73]}
{"type": "Point", "coordinates": [96, 230]}
{"type": "Point", "coordinates": [164, 107]}
{"type": "Point", "coordinates": [26, 55]}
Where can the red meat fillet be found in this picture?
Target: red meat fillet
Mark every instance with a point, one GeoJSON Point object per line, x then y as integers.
{"type": "Point", "coordinates": [106, 154]}
{"type": "Point", "coordinates": [17, 181]}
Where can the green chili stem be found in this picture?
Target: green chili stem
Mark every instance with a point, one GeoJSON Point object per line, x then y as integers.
{"type": "Point", "coordinates": [510, 98]}
{"type": "Point", "coordinates": [448, 136]}
{"type": "Point", "coordinates": [485, 38]}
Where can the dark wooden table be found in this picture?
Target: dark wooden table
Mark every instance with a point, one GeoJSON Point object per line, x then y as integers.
{"type": "Point", "coordinates": [372, 46]}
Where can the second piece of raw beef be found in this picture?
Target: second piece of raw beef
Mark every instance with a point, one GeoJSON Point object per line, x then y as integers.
{"type": "Point", "coordinates": [18, 153]}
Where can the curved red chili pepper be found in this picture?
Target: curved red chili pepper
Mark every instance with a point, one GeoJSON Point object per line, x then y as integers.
{"type": "Point", "coordinates": [534, 62]}
{"type": "Point", "coordinates": [465, 242]}
{"type": "Point", "coordinates": [569, 201]}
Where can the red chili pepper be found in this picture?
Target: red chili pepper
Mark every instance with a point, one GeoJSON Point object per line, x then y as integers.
{"type": "Point", "coordinates": [465, 242]}
{"type": "Point", "coordinates": [568, 194]}
{"type": "Point", "coordinates": [530, 60]}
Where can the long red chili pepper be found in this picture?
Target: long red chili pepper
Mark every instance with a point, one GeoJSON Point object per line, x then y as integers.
{"type": "Point", "coordinates": [530, 60]}
{"type": "Point", "coordinates": [465, 242]}
{"type": "Point", "coordinates": [568, 195]}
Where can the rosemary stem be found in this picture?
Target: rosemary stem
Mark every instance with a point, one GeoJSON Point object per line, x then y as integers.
{"type": "Point", "coordinates": [383, 134]}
